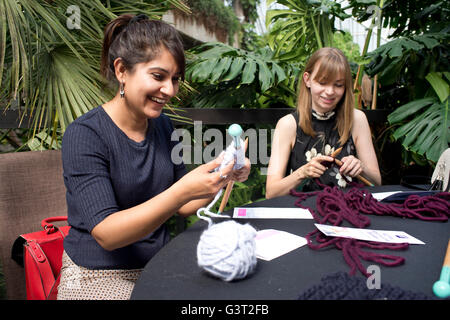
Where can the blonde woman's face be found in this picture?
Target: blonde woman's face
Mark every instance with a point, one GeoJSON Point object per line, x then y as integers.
{"type": "Point", "coordinates": [325, 94]}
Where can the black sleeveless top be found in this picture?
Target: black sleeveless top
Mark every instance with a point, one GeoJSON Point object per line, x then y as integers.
{"type": "Point", "coordinates": [325, 142]}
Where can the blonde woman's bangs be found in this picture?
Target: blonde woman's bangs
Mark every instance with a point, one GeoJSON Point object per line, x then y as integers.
{"type": "Point", "coordinates": [330, 69]}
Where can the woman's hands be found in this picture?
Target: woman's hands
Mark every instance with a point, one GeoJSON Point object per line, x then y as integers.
{"type": "Point", "coordinates": [201, 184]}
{"type": "Point", "coordinates": [204, 182]}
{"type": "Point", "coordinates": [351, 166]}
{"type": "Point", "coordinates": [241, 174]}
{"type": "Point", "coordinates": [314, 168]}
{"type": "Point", "coordinates": [191, 192]}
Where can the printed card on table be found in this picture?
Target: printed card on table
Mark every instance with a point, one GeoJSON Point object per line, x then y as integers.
{"type": "Point", "coordinates": [272, 213]}
{"type": "Point", "coordinates": [271, 244]}
{"type": "Point", "coordinates": [368, 234]}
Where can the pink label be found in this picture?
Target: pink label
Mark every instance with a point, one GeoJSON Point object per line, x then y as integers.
{"type": "Point", "coordinates": [242, 213]}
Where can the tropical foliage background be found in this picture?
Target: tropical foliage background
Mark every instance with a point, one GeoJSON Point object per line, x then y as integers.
{"type": "Point", "coordinates": [49, 68]}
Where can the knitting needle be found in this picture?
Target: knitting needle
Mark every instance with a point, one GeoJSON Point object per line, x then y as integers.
{"type": "Point", "coordinates": [230, 185]}
{"type": "Point", "coordinates": [441, 288]}
{"type": "Point", "coordinates": [361, 178]}
{"type": "Point", "coordinates": [333, 155]}
{"type": "Point", "coordinates": [336, 152]}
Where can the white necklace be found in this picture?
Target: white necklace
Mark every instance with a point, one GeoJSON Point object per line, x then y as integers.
{"type": "Point", "coordinates": [322, 116]}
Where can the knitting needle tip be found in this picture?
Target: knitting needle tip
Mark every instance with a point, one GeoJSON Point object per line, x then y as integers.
{"type": "Point", "coordinates": [336, 152]}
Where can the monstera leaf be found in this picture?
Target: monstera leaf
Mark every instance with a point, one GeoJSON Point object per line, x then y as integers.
{"type": "Point", "coordinates": [218, 62]}
{"type": "Point", "coordinates": [302, 26]}
{"type": "Point", "coordinates": [391, 58]}
{"type": "Point", "coordinates": [230, 76]}
{"type": "Point", "coordinates": [428, 130]}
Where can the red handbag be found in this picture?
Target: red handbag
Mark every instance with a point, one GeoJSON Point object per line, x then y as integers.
{"type": "Point", "coordinates": [40, 253]}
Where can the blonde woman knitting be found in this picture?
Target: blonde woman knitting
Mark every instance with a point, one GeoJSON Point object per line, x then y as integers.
{"type": "Point", "coordinates": [324, 121]}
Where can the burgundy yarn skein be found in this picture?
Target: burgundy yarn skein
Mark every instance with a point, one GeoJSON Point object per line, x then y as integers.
{"type": "Point", "coordinates": [335, 206]}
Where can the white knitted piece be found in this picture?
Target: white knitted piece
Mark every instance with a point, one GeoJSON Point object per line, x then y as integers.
{"type": "Point", "coordinates": [232, 153]}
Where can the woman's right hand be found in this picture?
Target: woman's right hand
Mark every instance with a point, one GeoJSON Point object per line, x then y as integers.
{"type": "Point", "coordinates": [204, 182]}
{"type": "Point", "coordinates": [314, 168]}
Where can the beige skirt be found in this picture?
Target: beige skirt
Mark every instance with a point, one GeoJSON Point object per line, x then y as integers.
{"type": "Point", "coordinates": [79, 283]}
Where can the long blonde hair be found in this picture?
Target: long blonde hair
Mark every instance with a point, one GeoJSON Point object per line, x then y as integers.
{"type": "Point", "coordinates": [332, 63]}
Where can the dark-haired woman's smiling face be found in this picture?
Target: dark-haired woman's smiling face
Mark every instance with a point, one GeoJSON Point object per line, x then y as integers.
{"type": "Point", "coordinates": [152, 84]}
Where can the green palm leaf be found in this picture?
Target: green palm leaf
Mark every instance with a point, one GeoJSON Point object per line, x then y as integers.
{"type": "Point", "coordinates": [221, 68]}
{"type": "Point", "coordinates": [408, 109]}
{"type": "Point", "coordinates": [304, 24]}
{"type": "Point", "coordinates": [440, 86]}
{"type": "Point", "coordinates": [248, 74]}
{"type": "Point", "coordinates": [235, 69]}
{"type": "Point", "coordinates": [264, 76]}
{"type": "Point", "coordinates": [427, 132]}
{"type": "Point", "coordinates": [202, 70]}
{"type": "Point", "coordinates": [278, 73]}
{"type": "Point", "coordinates": [231, 76]}
{"type": "Point", "coordinates": [55, 70]}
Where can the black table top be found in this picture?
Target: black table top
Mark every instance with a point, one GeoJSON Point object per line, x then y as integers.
{"type": "Point", "coordinates": [173, 273]}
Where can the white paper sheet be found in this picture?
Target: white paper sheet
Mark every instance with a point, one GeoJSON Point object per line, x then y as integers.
{"type": "Point", "coordinates": [271, 243]}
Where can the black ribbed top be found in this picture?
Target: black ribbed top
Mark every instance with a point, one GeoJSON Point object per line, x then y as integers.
{"type": "Point", "coordinates": [105, 172]}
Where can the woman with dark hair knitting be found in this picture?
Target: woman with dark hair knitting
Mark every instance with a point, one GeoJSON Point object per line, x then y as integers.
{"type": "Point", "coordinates": [324, 121]}
{"type": "Point", "coordinates": [121, 182]}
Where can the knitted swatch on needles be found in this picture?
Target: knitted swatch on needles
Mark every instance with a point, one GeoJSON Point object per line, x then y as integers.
{"type": "Point", "coordinates": [334, 206]}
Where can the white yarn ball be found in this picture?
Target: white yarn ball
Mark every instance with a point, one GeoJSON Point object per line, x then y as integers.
{"type": "Point", "coordinates": [227, 250]}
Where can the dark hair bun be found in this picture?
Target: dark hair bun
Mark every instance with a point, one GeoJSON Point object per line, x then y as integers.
{"type": "Point", "coordinates": [137, 39]}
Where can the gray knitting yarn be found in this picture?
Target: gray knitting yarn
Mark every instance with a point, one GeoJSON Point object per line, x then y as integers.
{"type": "Point", "coordinates": [227, 250]}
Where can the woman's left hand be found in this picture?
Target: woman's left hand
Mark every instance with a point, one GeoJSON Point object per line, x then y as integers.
{"type": "Point", "coordinates": [351, 166]}
{"type": "Point", "coordinates": [242, 174]}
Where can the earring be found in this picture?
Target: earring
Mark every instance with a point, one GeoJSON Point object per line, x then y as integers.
{"type": "Point", "coordinates": [122, 90]}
